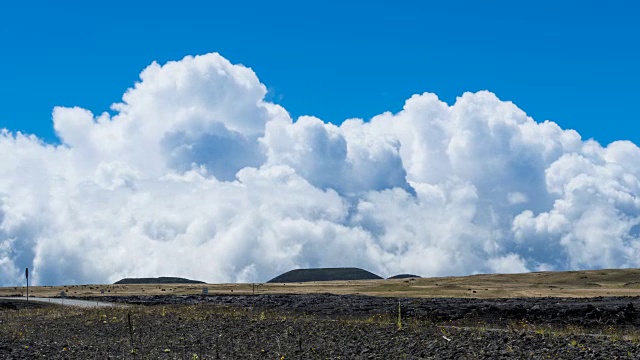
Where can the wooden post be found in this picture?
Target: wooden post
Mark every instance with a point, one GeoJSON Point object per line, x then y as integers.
{"type": "Point", "coordinates": [26, 274]}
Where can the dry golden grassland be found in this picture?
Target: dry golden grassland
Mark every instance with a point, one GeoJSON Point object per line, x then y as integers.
{"type": "Point", "coordinates": [591, 283]}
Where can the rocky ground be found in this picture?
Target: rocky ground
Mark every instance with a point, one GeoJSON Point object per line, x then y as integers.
{"type": "Point", "coordinates": [19, 304]}
{"type": "Point", "coordinates": [327, 326]}
{"type": "Point", "coordinates": [602, 311]}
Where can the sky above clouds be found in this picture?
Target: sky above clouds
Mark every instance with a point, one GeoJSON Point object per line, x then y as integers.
{"type": "Point", "coordinates": [230, 145]}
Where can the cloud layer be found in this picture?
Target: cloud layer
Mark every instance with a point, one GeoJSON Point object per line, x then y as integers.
{"type": "Point", "coordinates": [197, 175]}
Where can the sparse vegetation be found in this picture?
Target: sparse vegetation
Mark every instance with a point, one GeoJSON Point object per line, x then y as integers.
{"type": "Point", "coordinates": [592, 283]}
{"type": "Point", "coordinates": [223, 332]}
{"type": "Point", "coordinates": [328, 326]}
{"type": "Point", "coordinates": [399, 322]}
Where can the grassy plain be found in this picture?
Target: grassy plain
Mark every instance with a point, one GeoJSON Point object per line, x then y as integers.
{"type": "Point", "coordinates": [590, 283]}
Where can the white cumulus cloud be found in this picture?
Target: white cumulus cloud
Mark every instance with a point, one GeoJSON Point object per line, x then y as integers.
{"type": "Point", "coordinates": [197, 175]}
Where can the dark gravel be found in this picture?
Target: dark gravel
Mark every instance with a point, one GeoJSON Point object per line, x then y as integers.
{"type": "Point", "coordinates": [326, 327]}
{"type": "Point", "coordinates": [6, 304]}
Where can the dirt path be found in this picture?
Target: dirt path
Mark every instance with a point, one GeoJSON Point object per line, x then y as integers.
{"type": "Point", "coordinates": [63, 301]}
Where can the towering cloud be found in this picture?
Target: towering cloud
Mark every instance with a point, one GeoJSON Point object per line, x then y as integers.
{"type": "Point", "coordinates": [197, 175]}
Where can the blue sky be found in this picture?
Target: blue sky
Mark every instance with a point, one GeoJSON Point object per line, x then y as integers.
{"type": "Point", "coordinates": [196, 165]}
{"type": "Point", "coordinates": [573, 62]}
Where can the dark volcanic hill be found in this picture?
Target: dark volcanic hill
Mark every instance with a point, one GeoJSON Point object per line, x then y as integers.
{"type": "Point", "coordinates": [324, 274]}
{"type": "Point", "coordinates": [403, 276]}
{"type": "Point", "coordinates": [158, 280]}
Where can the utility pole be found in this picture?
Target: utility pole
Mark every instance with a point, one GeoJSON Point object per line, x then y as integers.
{"type": "Point", "coordinates": [26, 274]}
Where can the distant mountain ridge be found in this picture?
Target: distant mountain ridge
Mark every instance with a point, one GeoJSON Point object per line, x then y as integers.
{"type": "Point", "coordinates": [324, 274]}
{"type": "Point", "coordinates": [403, 276]}
{"type": "Point", "coordinates": [158, 280]}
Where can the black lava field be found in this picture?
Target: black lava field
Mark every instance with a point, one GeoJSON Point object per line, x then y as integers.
{"type": "Point", "coordinates": [324, 326]}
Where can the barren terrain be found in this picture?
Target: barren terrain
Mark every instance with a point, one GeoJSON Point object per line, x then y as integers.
{"type": "Point", "coordinates": [573, 315]}
{"type": "Point", "coordinates": [624, 282]}
{"type": "Point", "coordinates": [323, 326]}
